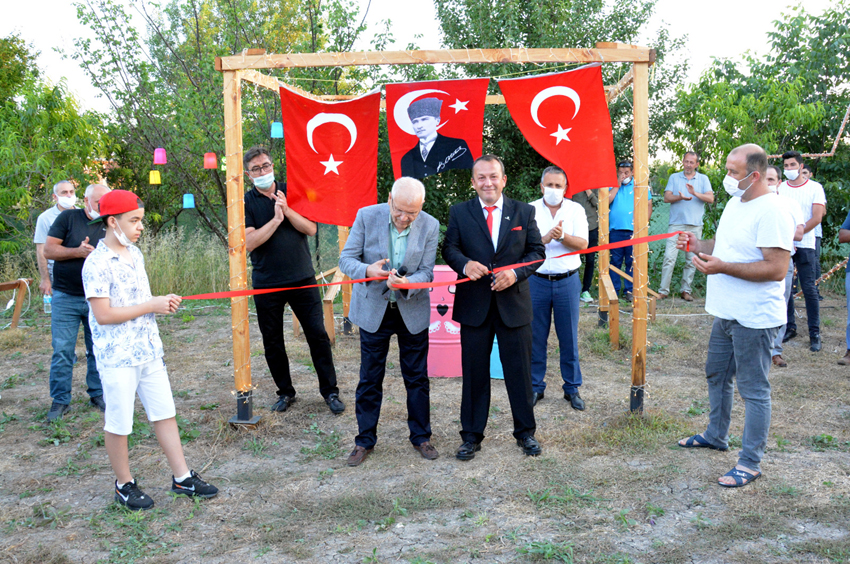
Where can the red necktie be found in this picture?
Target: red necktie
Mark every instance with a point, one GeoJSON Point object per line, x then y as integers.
{"type": "Point", "coordinates": [490, 218]}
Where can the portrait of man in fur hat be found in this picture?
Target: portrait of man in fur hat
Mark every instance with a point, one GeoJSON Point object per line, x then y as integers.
{"type": "Point", "coordinates": [434, 153]}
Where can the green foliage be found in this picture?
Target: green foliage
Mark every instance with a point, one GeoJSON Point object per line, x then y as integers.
{"type": "Point", "coordinates": [165, 91]}
{"type": "Point", "coordinates": [44, 138]}
{"type": "Point", "coordinates": [540, 550]}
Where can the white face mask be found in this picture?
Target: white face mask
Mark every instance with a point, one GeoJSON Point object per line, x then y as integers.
{"type": "Point", "coordinates": [66, 202]}
{"type": "Point", "coordinates": [93, 213]}
{"type": "Point", "coordinates": [553, 196]}
{"type": "Point", "coordinates": [791, 174]}
{"type": "Point", "coordinates": [264, 182]}
{"type": "Point", "coordinates": [626, 181]}
{"type": "Point", "coordinates": [731, 186]}
{"type": "Point", "coordinates": [121, 237]}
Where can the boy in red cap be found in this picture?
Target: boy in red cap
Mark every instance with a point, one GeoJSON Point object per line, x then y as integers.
{"type": "Point", "coordinates": [129, 351]}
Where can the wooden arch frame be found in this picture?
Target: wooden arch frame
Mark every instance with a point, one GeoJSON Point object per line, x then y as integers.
{"type": "Point", "coordinates": [246, 66]}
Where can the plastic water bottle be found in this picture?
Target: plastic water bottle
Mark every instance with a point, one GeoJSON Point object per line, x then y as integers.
{"type": "Point", "coordinates": [48, 303]}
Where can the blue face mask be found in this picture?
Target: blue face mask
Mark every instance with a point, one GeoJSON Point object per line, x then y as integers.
{"type": "Point", "coordinates": [264, 182]}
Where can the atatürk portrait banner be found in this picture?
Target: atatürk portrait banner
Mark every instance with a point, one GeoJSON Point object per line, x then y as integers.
{"type": "Point", "coordinates": [435, 126]}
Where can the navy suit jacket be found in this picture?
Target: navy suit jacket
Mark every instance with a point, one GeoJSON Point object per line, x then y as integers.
{"type": "Point", "coordinates": [446, 153]}
{"type": "Point", "coordinates": [468, 238]}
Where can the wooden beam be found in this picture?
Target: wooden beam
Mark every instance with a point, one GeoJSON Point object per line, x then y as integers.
{"type": "Point", "coordinates": [604, 256]}
{"type": "Point", "coordinates": [607, 288]}
{"type": "Point", "coordinates": [641, 229]}
{"type": "Point", "coordinates": [236, 230]}
{"type": "Point", "coordinates": [328, 306]}
{"type": "Point", "coordinates": [20, 286]}
{"type": "Point", "coordinates": [342, 237]}
{"type": "Point", "coordinates": [445, 56]}
{"type": "Point", "coordinates": [622, 274]}
{"type": "Point", "coordinates": [612, 92]}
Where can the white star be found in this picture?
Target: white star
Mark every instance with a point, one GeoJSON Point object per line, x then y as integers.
{"type": "Point", "coordinates": [331, 165]}
{"type": "Point", "coordinates": [458, 105]}
{"type": "Point", "coordinates": [561, 134]}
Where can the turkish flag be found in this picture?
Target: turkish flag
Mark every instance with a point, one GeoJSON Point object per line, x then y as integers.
{"type": "Point", "coordinates": [435, 126]}
{"type": "Point", "coordinates": [564, 116]}
{"type": "Point", "coordinates": [331, 155]}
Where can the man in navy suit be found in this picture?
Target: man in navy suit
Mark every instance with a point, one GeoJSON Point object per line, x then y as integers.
{"type": "Point", "coordinates": [434, 153]}
{"type": "Point", "coordinates": [486, 233]}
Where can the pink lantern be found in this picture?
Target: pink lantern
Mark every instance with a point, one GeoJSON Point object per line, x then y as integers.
{"type": "Point", "coordinates": [210, 160]}
{"type": "Point", "coordinates": [159, 156]}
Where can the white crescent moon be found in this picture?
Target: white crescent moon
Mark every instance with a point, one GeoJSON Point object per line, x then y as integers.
{"type": "Point", "coordinates": [400, 110]}
{"type": "Point", "coordinates": [548, 93]}
{"type": "Point", "coordinates": [323, 118]}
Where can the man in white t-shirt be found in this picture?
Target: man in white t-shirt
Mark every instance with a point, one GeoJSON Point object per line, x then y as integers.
{"type": "Point", "coordinates": [745, 268]}
{"type": "Point", "coordinates": [65, 197]}
{"type": "Point", "coordinates": [555, 286]}
{"type": "Point", "coordinates": [774, 173]}
{"type": "Point", "coordinates": [809, 194]}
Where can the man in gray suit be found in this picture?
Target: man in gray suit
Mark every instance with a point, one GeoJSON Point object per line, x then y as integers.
{"type": "Point", "coordinates": [396, 242]}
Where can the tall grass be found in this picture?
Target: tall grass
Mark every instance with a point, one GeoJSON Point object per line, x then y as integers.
{"type": "Point", "coordinates": [185, 262]}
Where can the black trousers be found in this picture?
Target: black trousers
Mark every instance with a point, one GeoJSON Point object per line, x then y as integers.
{"type": "Point", "coordinates": [515, 354]}
{"type": "Point", "coordinates": [306, 305]}
{"type": "Point", "coordinates": [804, 260]}
{"type": "Point", "coordinates": [589, 260]}
{"type": "Point", "coordinates": [413, 358]}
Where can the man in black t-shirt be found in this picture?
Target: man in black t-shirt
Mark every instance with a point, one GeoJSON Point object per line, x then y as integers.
{"type": "Point", "coordinates": [69, 242]}
{"type": "Point", "coordinates": [276, 236]}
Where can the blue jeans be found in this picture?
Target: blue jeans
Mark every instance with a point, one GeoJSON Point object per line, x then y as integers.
{"type": "Point", "coordinates": [65, 319]}
{"type": "Point", "coordinates": [619, 257]}
{"type": "Point", "coordinates": [789, 281]}
{"type": "Point", "coordinates": [737, 352]}
{"type": "Point", "coordinates": [847, 291]}
{"type": "Point", "coordinates": [560, 297]}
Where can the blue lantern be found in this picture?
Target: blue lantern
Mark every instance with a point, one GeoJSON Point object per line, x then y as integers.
{"type": "Point", "coordinates": [277, 130]}
{"type": "Point", "coordinates": [188, 201]}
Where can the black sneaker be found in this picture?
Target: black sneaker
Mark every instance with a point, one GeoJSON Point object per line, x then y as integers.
{"type": "Point", "coordinates": [193, 486]}
{"type": "Point", "coordinates": [283, 403]}
{"type": "Point", "coordinates": [131, 496]}
{"type": "Point", "coordinates": [335, 404]}
{"type": "Point", "coordinates": [57, 410]}
{"type": "Point", "coordinates": [98, 402]}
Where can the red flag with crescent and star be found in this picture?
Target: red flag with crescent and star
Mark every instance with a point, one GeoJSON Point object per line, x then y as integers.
{"type": "Point", "coordinates": [564, 116]}
{"type": "Point", "coordinates": [331, 155]}
{"type": "Point", "coordinates": [435, 126]}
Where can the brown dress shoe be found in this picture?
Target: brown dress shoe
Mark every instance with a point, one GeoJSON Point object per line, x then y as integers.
{"type": "Point", "coordinates": [427, 451]}
{"type": "Point", "coordinates": [780, 362]}
{"type": "Point", "coordinates": [687, 297]}
{"type": "Point", "coordinates": [662, 296]}
{"type": "Point", "coordinates": [845, 360]}
{"type": "Point", "coordinates": [358, 455]}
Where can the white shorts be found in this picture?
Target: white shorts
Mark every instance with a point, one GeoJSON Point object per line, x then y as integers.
{"type": "Point", "coordinates": [120, 386]}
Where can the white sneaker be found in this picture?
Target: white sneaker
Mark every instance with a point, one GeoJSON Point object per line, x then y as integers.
{"type": "Point", "coordinates": [586, 297]}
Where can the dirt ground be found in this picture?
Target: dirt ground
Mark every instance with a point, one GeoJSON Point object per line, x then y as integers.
{"type": "Point", "coordinates": [608, 488]}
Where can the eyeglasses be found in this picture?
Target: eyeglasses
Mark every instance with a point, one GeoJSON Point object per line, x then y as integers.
{"type": "Point", "coordinates": [401, 213]}
{"type": "Point", "coordinates": [258, 169]}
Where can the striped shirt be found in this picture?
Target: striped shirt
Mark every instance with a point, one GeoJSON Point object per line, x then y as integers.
{"type": "Point", "coordinates": [807, 194]}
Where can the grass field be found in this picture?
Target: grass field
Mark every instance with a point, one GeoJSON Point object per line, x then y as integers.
{"type": "Point", "coordinates": [608, 488]}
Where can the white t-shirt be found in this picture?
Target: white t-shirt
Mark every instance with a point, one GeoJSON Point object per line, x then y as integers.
{"type": "Point", "coordinates": [575, 224]}
{"type": "Point", "coordinates": [42, 227]}
{"type": "Point", "coordinates": [794, 209]}
{"type": "Point", "coordinates": [809, 193]}
{"type": "Point", "coordinates": [744, 229]}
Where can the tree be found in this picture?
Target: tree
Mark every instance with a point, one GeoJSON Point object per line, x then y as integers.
{"type": "Point", "coordinates": [165, 91]}
{"type": "Point", "coordinates": [44, 138]}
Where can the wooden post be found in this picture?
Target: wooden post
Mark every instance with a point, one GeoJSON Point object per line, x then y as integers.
{"type": "Point", "coordinates": [604, 256]}
{"type": "Point", "coordinates": [328, 303]}
{"type": "Point", "coordinates": [641, 229]}
{"type": "Point", "coordinates": [236, 250]}
{"type": "Point", "coordinates": [613, 313]}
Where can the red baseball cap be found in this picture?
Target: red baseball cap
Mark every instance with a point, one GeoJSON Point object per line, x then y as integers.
{"type": "Point", "coordinates": [117, 202]}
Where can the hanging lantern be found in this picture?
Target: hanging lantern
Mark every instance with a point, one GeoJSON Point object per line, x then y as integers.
{"type": "Point", "coordinates": [155, 178]}
{"type": "Point", "coordinates": [210, 161]}
{"type": "Point", "coordinates": [188, 201]}
{"type": "Point", "coordinates": [277, 130]}
{"type": "Point", "coordinates": [159, 156]}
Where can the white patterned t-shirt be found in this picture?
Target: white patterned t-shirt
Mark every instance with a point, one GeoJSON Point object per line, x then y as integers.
{"type": "Point", "coordinates": [108, 275]}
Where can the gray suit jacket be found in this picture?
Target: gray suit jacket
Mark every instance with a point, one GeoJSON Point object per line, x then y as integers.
{"type": "Point", "coordinates": [369, 242]}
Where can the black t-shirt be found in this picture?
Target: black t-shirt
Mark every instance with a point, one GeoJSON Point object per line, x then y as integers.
{"type": "Point", "coordinates": [72, 226]}
{"type": "Point", "coordinates": [284, 258]}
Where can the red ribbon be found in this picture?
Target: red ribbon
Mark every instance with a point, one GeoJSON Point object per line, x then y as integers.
{"type": "Point", "coordinates": [421, 285]}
